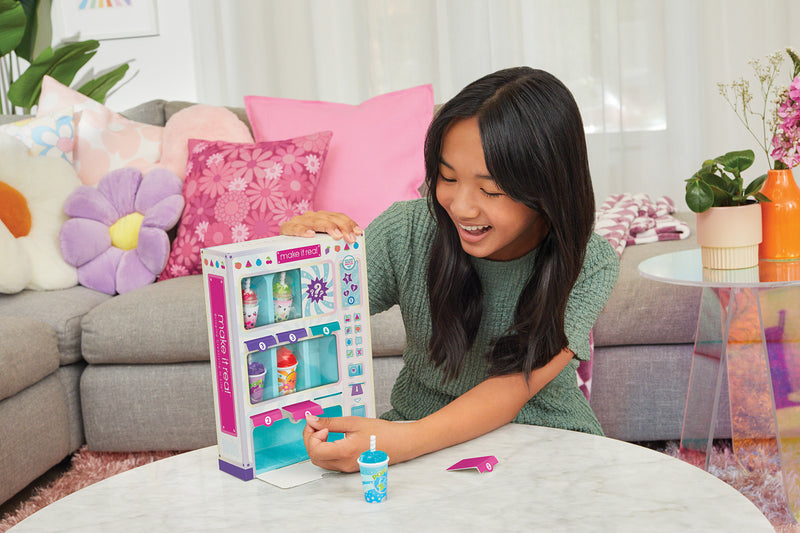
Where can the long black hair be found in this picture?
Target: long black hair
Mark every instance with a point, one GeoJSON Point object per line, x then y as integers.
{"type": "Point", "coordinates": [534, 146]}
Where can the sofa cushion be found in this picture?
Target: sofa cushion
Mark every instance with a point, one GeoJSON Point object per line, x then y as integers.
{"type": "Point", "coordinates": [61, 310]}
{"type": "Point", "coordinates": [28, 353]}
{"type": "Point", "coordinates": [70, 378]}
{"type": "Point", "coordinates": [35, 434]}
{"type": "Point", "coordinates": [151, 112]}
{"type": "Point", "coordinates": [388, 332]}
{"type": "Point", "coordinates": [160, 323]}
{"type": "Point", "coordinates": [642, 311]}
{"type": "Point", "coordinates": [166, 323]}
{"type": "Point", "coordinates": [148, 407]}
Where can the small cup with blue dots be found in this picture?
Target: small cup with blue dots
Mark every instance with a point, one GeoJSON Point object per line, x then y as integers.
{"type": "Point", "coordinates": [374, 467]}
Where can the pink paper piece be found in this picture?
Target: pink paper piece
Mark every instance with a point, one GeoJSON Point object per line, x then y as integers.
{"type": "Point", "coordinates": [298, 410]}
{"type": "Point", "coordinates": [267, 419]}
{"type": "Point", "coordinates": [483, 464]}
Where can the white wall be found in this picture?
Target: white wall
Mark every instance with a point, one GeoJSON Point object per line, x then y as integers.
{"type": "Point", "coordinates": [161, 66]}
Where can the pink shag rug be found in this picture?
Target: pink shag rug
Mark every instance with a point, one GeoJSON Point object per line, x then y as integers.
{"type": "Point", "coordinates": [753, 472]}
{"type": "Point", "coordinates": [86, 468]}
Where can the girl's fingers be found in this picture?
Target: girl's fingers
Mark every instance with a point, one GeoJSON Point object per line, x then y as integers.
{"type": "Point", "coordinates": [337, 225]}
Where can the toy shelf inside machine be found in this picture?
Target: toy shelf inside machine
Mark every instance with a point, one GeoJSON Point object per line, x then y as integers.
{"type": "Point", "coordinates": [289, 334]}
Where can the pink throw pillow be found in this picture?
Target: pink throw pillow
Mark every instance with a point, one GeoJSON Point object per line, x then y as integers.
{"type": "Point", "coordinates": [104, 140]}
{"type": "Point", "coordinates": [376, 155]}
{"type": "Point", "coordinates": [205, 122]}
{"type": "Point", "coordinates": [237, 192]}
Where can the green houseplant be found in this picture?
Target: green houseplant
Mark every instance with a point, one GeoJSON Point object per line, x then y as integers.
{"type": "Point", "coordinates": [728, 213]}
{"type": "Point", "coordinates": [25, 34]}
{"type": "Point", "coordinates": [719, 183]}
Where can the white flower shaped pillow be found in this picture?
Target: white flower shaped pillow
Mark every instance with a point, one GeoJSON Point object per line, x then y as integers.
{"type": "Point", "coordinates": [32, 194]}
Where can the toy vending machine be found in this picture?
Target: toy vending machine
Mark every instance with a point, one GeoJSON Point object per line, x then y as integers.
{"type": "Point", "coordinates": [288, 322]}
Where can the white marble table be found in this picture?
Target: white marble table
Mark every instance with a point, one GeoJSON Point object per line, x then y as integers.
{"type": "Point", "coordinates": [546, 480]}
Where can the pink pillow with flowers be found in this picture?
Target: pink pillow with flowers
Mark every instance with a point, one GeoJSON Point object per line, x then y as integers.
{"type": "Point", "coordinates": [376, 157]}
{"type": "Point", "coordinates": [104, 140]}
{"type": "Point", "coordinates": [237, 192]}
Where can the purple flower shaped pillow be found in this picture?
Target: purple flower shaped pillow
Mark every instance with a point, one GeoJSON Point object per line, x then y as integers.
{"type": "Point", "coordinates": [116, 235]}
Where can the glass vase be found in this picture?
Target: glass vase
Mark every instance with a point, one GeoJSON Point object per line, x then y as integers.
{"type": "Point", "coordinates": [780, 217]}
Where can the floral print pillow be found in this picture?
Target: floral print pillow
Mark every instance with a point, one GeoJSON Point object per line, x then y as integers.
{"type": "Point", "coordinates": [237, 192]}
{"type": "Point", "coordinates": [51, 135]}
{"type": "Point", "coordinates": [104, 140]}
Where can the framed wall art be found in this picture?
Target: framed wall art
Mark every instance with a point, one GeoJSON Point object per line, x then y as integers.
{"type": "Point", "coordinates": [79, 20]}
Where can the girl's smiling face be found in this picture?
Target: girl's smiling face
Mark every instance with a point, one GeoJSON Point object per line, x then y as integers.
{"type": "Point", "coordinates": [490, 224]}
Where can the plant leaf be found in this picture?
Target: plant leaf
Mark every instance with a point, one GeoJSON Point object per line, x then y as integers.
{"type": "Point", "coordinates": [97, 88]}
{"type": "Point", "coordinates": [25, 50]}
{"type": "Point", "coordinates": [12, 25]}
{"type": "Point", "coordinates": [717, 181]}
{"type": "Point", "coordinates": [699, 196]}
{"type": "Point", "coordinates": [707, 171]}
{"type": "Point", "coordinates": [722, 196]}
{"type": "Point", "coordinates": [738, 161]}
{"type": "Point", "coordinates": [73, 57]}
{"type": "Point", "coordinates": [761, 197]}
{"type": "Point", "coordinates": [62, 64]}
{"type": "Point", "coordinates": [755, 185]}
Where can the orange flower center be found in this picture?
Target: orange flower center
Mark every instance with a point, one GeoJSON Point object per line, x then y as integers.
{"type": "Point", "coordinates": [14, 212]}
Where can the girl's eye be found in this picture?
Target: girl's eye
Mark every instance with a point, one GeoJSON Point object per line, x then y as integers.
{"type": "Point", "coordinates": [492, 194]}
{"type": "Point", "coordinates": [448, 180]}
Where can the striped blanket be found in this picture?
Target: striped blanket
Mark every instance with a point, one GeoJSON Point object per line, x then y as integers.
{"type": "Point", "coordinates": [626, 219]}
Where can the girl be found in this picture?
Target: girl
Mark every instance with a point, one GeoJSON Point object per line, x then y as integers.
{"type": "Point", "coordinates": [498, 275]}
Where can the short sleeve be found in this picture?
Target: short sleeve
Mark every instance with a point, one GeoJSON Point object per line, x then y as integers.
{"type": "Point", "coordinates": [590, 294]}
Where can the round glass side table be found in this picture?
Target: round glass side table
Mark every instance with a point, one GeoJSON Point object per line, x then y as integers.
{"type": "Point", "coordinates": [748, 333]}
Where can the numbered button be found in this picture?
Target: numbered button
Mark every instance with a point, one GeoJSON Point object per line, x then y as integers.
{"type": "Point", "coordinates": [324, 329]}
{"type": "Point", "coordinates": [298, 411]}
{"type": "Point", "coordinates": [266, 419]}
{"type": "Point", "coordinates": [292, 336]}
{"type": "Point", "coordinates": [261, 344]}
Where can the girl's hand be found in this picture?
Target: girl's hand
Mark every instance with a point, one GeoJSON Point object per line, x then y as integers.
{"type": "Point", "coordinates": [337, 225]}
{"type": "Point", "coordinates": [342, 455]}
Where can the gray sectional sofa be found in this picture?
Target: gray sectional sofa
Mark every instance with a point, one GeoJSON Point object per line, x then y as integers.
{"type": "Point", "coordinates": [132, 372]}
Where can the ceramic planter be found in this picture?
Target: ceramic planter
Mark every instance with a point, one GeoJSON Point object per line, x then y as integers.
{"type": "Point", "coordinates": [729, 236]}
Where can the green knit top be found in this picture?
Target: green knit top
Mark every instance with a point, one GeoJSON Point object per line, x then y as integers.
{"type": "Point", "coordinates": [398, 246]}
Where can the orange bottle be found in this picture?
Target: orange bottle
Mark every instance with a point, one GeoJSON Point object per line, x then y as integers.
{"type": "Point", "coordinates": [780, 217]}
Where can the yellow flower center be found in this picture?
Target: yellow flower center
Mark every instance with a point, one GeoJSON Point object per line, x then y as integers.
{"type": "Point", "coordinates": [125, 231]}
{"type": "Point", "coordinates": [14, 212]}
